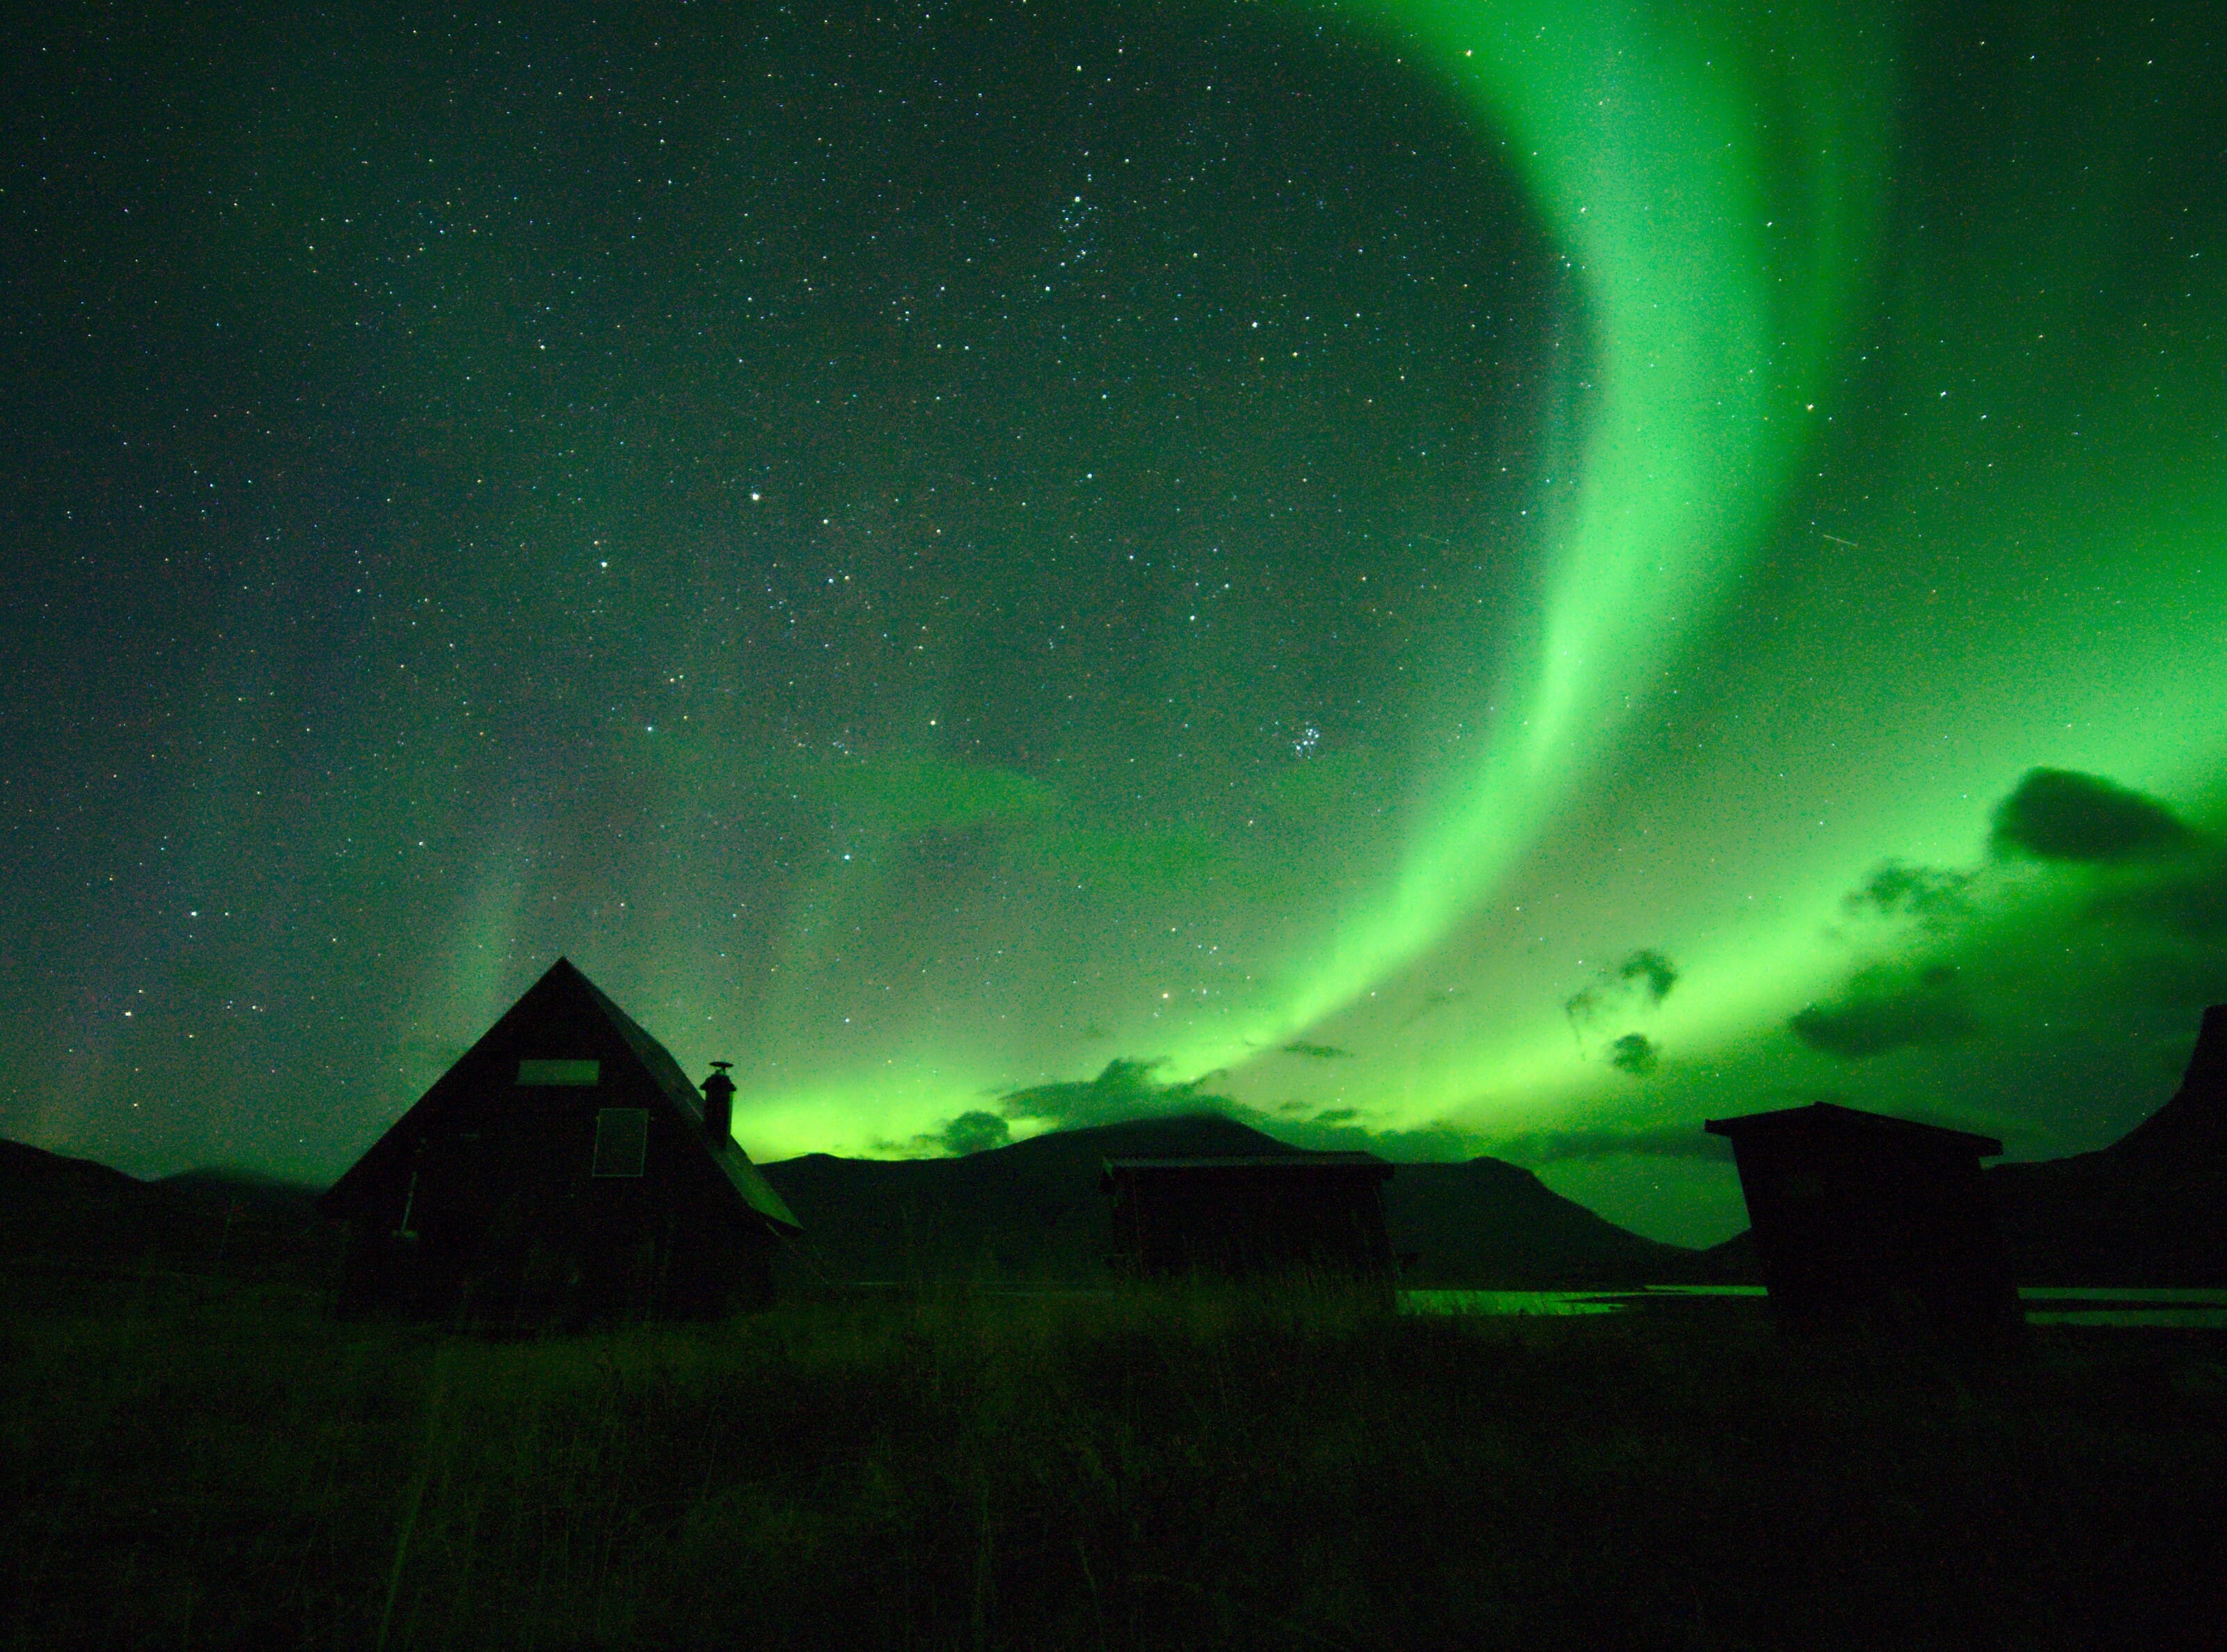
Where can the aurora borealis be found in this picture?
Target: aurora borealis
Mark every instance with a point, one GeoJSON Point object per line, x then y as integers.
{"type": "Point", "coordinates": [1466, 577]}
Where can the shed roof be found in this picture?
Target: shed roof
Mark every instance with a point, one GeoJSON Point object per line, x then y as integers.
{"type": "Point", "coordinates": [1827, 1120]}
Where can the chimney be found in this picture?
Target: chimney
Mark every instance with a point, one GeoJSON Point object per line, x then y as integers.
{"type": "Point", "coordinates": [719, 1105]}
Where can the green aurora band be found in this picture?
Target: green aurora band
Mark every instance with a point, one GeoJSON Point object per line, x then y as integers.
{"type": "Point", "coordinates": [1719, 181]}
{"type": "Point", "coordinates": [1881, 461]}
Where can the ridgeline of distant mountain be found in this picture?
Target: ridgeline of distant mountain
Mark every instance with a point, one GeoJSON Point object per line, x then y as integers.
{"type": "Point", "coordinates": [2151, 1208]}
{"type": "Point", "coordinates": [1032, 1212]}
{"type": "Point", "coordinates": [1027, 1212]}
{"type": "Point", "coordinates": [74, 1212]}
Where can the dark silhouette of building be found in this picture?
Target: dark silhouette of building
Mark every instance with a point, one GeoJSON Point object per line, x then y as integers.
{"type": "Point", "coordinates": [1861, 1218]}
{"type": "Point", "coordinates": [564, 1171]}
{"type": "Point", "coordinates": [1321, 1212]}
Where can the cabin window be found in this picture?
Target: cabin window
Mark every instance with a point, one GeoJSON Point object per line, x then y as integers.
{"type": "Point", "coordinates": [584, 1075]}
{"type": "Point", "coordinates": [622, 1141]}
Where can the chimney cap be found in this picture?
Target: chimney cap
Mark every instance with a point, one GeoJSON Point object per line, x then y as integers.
{"type": "Point", "coordinates": [721, 1067]}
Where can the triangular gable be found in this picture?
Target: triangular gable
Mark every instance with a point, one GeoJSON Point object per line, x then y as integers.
{"type": "Point", "coordinates": [733, 1161]}
{"type": "Point", "coordinates": [561, 982]}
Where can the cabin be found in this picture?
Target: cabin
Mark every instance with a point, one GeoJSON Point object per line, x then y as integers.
{"type": "Point", "coordinates": [564, 1171]}
{"type": "Point", "coordinates": [1860, 1218]}
{"type": "Point", "coordinates": [1319, 1212]}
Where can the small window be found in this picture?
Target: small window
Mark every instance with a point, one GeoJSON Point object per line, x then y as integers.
{"type": "Point", "coordinates": [581, 1075]}
{"type": "Point", "coordinates": [622, 1141]}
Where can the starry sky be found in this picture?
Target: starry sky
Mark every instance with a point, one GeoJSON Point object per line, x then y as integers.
{"type": "Point", "coordinates": [1444, 576]}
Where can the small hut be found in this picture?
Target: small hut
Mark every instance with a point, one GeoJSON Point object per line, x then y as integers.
{"type": "Point", "coordinates": [564, 1171]}
{"type": "Point", "coordinates": [1320, 1212]}
{"type": "Point", "coordinates": [1859, 1217]}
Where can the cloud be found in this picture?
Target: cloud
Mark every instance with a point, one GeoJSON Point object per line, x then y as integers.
{"type": "Point", "coordinates": [1653, 972]}
{"type": "Point", "coordinates": [1317, 1052]}
{"type": "Point", "coordinates": [1886, 1010]}
{"type": "Point", "coordinates": [971, 1133]}
{"type": "Point", "coordinates": [1126, 1089]}
{"type": "Point", "coordinates": [1642, 980]}
{"type": "Point", "coordinates": [1636, 1054]}
{"type": "Point", "coordinates": [1930, 894]}
{"type": "Point", "coordinates": [2055, 814]}
{"type": "Point", "coordinates": [1630, 989]}
{"type": "Point", "coordinates": [2185, 898]}
{"type": "Point", "coordinates": [1656, 1141]}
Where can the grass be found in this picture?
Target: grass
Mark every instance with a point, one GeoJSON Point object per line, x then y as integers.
{"type": "Point", "coordinates": [190, 1464]}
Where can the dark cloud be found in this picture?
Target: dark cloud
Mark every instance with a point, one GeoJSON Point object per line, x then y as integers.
{"type": "Point", "coordinates": [2055, 814]}
{"type": "Point", "coordinates": [2185, 898]}
{"type": "Point", "coordinates": [1883, 1010]}
{"type": "Point", "coordinates": [971, 1133]}
{"type": "Point", "coordinates": [1635, 1053]}
{"type": "Point", "coordinates": [1642, 980]}
{"type": "Point", "coordinates": [1656, 1141]}
{"type": "Point", "coordinates": [1317, 1052]}
{"type": "Point", "coordinates": [1435, 1001]}
{"type": "Point", "coordinates": [1126, 1089]}
{"type": "Point", "coordinates": [1928, 893]}
{"type": "Point", "coordinates": [1653, 972]}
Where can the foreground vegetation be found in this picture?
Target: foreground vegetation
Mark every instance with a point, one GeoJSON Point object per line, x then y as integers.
{"type": "Point", "coordinates": [192, 1464]}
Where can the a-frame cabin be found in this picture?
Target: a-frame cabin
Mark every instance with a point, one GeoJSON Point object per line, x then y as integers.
{"type": "Point", "coordinates": [564, 1171]}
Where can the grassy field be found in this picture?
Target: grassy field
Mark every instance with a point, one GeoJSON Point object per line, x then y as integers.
{"type": "Point", "coordinates": [189, 1464]}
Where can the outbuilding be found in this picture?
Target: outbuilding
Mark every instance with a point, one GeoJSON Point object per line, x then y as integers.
{"type": "Point", "coordinates": [1861, 1217]}
{"type": "Point", "coordinates": [1313, 1212]}
{"type": "Point", "coordinates": [564, 1171]}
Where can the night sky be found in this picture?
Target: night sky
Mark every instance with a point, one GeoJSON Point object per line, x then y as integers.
{"type": "Point", "coordinates": [1461, 576]}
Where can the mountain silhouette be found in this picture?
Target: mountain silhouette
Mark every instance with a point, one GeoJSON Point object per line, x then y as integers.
{"type": "Point", "coordinates": [1026, 1214]}
{"type": "Point", "coordinates": [2151, 1208]}
{"type": "Point", "coordinates": [1032, 1213]}
{"type": "Point", "coordinates": [69, 1212]}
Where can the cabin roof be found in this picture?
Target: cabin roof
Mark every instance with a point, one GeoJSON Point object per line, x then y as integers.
{"type": "Point", "coordinates": [732, 1161]}
{"type": "Point", "coordinates": [1828, 1121]}
{"type": "Point", "coordinates": [564, 981]}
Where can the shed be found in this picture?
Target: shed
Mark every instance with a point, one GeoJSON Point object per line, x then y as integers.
{"type": "Point", "coordinates": [564, 1171]}
{"type": "Point", "coordinates": [1866, 1218]}
{"type": "Point", "coordinates": [1318, 1211]}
